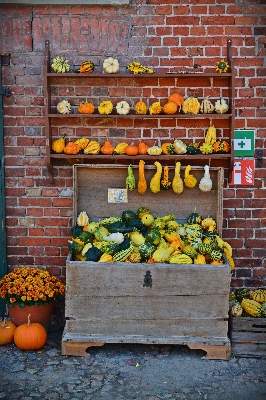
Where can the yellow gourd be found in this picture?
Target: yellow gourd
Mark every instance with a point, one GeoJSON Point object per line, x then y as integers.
{"type": "Point", "coordinates": [58, 145]}
{"type": "Point", "coordinates": [190, 180]}
{"type": "Point", "coordinates": [82, 142]}
{"type": "Point", "coordinates": [155, 183]}
{"type": "Point", "coordinates": [177, 183]}
{"type": "Point", "coordinates": [142, 184]}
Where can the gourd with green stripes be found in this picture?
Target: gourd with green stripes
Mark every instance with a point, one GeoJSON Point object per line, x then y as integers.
{"type": "Point", "coordinates": [123, 254]}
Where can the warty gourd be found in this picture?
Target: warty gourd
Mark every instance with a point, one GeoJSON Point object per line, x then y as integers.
{"type": "Point", "coordinates": [142, 183]}
{"type": "Point", "coordinates": [205, 184]}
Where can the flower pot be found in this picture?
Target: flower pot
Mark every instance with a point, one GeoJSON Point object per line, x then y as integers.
{"type": "Point", "coordinates": [41, 314]}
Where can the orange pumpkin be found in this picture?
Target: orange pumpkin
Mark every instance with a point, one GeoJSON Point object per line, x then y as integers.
{"type": "Point", "coordinates": [72, 148]}
{"type": "Point", "coordinates": [177, 99]}
{"type": "Point", "coordinates": [142, 148]}
{"type": "Point", "coordinates": [7, 329]}
{"type": "Point", "coordinates": [132, 150]}
{"type": "Point", "coordinates": [170, 108]}
{"type": "Point", "coordinates": [107, 148]}
{"type": "Point", "coordinates": [30, 336]}
{"type": "Point", "coordinates": [86, 108]}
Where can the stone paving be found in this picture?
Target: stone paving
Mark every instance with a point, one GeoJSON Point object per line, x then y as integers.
{"type": "Point", "coordinates": [125, 372]}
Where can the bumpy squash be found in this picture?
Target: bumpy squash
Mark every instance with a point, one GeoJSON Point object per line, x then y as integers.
{"type": "Point", "coordinates": [142, 183]}
{"type": "Point", "coordinates": [92, 148]}
{"type": "Point", "coordinates": [165, 182]}
{"type": "Point", "coordinates": [141, 108]}
{"type": "Point", "coordinates": [155, 108]}
{"type": "Point", "coordinates": [63, 107]}
{"type": "Point", "coordinates": [170, 108]}
{"type": "Point", "coordinates": [58, 145]}
{"type": "Point", "coordinates": [86, 108]}
{"type": "Point", "coordinates": [191, 106]}
{"type": "Point", "coordinates": [72, 148]}
{"type": "Point", "coordinates": [105, 107]}
{"type": "Point", "coordinates": [107, 148]}
{"type": "Point", "coordinates": [236, 310]}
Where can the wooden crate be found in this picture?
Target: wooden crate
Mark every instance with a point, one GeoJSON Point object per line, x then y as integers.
{"type": "Point", "coordinates": [248, 336]}
{"type": "Point", "coordinates": [146, 303]}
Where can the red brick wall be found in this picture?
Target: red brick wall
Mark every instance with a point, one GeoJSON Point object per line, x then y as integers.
{"type": "Point", "coordinates": [161, 34]}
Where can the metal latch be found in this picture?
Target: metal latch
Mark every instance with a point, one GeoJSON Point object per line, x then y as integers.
{"type": "Point", "coordinates": [147, 279]}
{"type": "Point", "coordinates": [259, 158]}
{"type": "Point", "coordinates": [5, 92]}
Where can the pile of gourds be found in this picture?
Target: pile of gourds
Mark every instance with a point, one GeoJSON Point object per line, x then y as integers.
{"type": "Point", "coordinates": [141, 237]}
{"type": "Point", "coordinates": [244, 302]}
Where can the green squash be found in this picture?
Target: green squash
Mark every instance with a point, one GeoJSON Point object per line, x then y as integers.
{"type": "Point", "coordinates": [153, 236]}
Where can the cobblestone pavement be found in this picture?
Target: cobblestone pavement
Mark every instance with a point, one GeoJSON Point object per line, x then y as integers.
{"type": "Point", "coordinates": [125, 372]}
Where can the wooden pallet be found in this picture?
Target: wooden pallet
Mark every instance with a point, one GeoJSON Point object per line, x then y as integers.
{"type": "Point", "coordinates": [248, 336]}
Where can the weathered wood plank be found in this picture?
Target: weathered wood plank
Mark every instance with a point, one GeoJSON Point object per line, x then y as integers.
{"type": "Point", "coordinates": [248, 350]}
{"type": "Point", "coordinates": [248, 324]}
{"type": "Point", "coordinates": [252, 337]}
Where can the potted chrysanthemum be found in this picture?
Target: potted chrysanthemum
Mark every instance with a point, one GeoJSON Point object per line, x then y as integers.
{"type": "Point", "coordinates": [30, 291]}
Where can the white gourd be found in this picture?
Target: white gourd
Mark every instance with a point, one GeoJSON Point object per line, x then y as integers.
{"type": "Point", "coordinates": [111, 65]}
{"type": "Point", "coordinates": [221, 106]}
{"type": "Point", "coordinates": [205, 184]}
{"type": "Point", "coordinates": [122, 107]}
{"type": "Point", "coordinates": [63, 107]}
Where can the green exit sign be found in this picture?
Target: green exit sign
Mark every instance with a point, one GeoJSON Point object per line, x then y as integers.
{"type": "Point", "coordinates": [244, 141]}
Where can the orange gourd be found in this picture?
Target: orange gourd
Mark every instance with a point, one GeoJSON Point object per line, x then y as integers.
{"type": "Point", "coordinates": [170, 108]}
{"type": "Point", "coordinates": [30, 336]}
{"type": "Point", "coordinates": [132, 150]}
{"type": "Point", "coordinates": [177, 99]}
{"type": "Point", "coordinates": [107, 148]}
{"type": "Point", "coordinates": [72, 148]}
{"type": "Point", "coordinates": [7, 329]}
{"type": "Point", "coordinates": [143, 147]}
{"type": "Point", "coordinates": [86, 108]}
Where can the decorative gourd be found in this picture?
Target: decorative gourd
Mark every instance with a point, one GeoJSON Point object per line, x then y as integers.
{"type": "Point", "coordinates": [30, 336]}
{"type": "Point", "coordinates": [107, 148]}
{"type": "Point", "coordinates": [222, 66]}
{"type": "Point", "coordinates": [143, 148]}
{"type": "Point", "coordinates": [210, 136]}
{"type": "Point", "coordinates": [111, 65]}
{"type": "Point", "coordinates": [120, 148]}
{"type": "Point", "coordinates": [206, 223]}
{"type": "Point", "coordinates": [216, 255]}
{"type": "Point", "coordinates": [206, 106]}
{"type": "Point", "coordinates": [141, 211]}
{"type": "Point", "coordinates": [170, 108]}
{"type": "Point", "coordinates": [116, 237]}
{"type": "Point", "coordinates": [137, 68]}
{"type": "Point", "coordinates": [156, 179]}
{"type": "Point", "coordinates": [63, 107]}
{"type": "Point", "coordinates": [258, 295]}
{"type": "Point", "coordinates": [191, 106]}
{"type": "Point", "coordinates": [132, 150]}
{"type": "Point", "coordinates": [72, 148]}
{"type": "Point", "coordinates": [122, 107]}
{"type": "Point", "coordinates": [252, 307]}
{"type": "Point", "coordinates": [192, 148]}
{"type": "Point", "coordinates": [106, 258]}
{"type": "Point", "coordinates": [180, 147]}
{"type": "Point", "coordinates": [177, 183]}
{"type": "Point", "coordinates": [200, 259]}
{"type": "Point", "coordinates": [155, 108]}
{"type": "Point", "coordinates": [168, 148]}
{"type": "Point", "coordinates": [7, 329]}
{"type": "Point", "coordinates": [135, 256]}
{"type": "Point", "coordinates": [242, 293]}
{"type": "Point", "coordinates": [236, 310]}
{"type": "Point", "coordinates": [190, 251]}
{"type": "Point", "coordinates": [86, 108]}
{"type": "Point", "coordinates": [147, 220]}
{"type": "Point", "coordinates": [205, 249]}
{"type": "Point", "coordinates": [177, 246]}
{"type": "Point", "coordinates": [58, 145]}
{"type": "Point", "coordinates": [180, 259]}
{"type": "Point", "coordinates": [86, 67]}
{"type": "Point", "coordinates": [146, 250]}
{"type": "Point", "coordinates": [221, 146]}
{"type": "Point", "coordinates": [153, 236]}
{"type": "Point", "coordinates": [92, 148]}
{"type": "Point", "coordinates": [221, 106]}
{"type": "Point", "coordinates": [206, 148]}
{"type": "Point", "coordinates": [141, 108]}
{"type": "Point", "coordinates": [105, 107]}
{"type": "Point", "coordinates": [189, 180]}
{"type": "Point", "coordinates": [205, 184]}
{"type": "Point", "coordinates": [83, 219]}
{"type": "Point", "coordinates": [171, 236]}
{"type": "Point", "coordinates": [194, 218]}
{"type": "Point", "coordinates": [154, 150]}
{"type": "Point", "coordinates": [165, 183]}
{"type": "Point", "coordinates": [177, 99]}
{"type": "Point", "coordinates": [60, 65]}
{"type": "Point", "coordinates": [137, 238]}
{"type": "Point", "coordinates": [142, 183]}
{"type": "Point", "coordinates": [162, 254]}
{"type": "Point", "coordinates": [130, 179]}
{"type": "Point", "coordinates": [263, 309]}
{"type": "Point", "coordinates": [122, 255]}
{"type": "Point", "coordinates": [82, 142]}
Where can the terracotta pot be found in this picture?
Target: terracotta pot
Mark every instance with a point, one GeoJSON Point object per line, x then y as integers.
{"type": "Point", "coordinates": [42, 314]}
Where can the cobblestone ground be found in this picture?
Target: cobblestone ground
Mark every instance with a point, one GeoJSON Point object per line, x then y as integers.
{"type": "Point", "coordinates": [125, 372]}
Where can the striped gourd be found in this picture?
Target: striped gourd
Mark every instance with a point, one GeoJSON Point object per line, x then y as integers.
{"type": "Point", "coordinates": [171, 236]}
{"type": "Point", "coordinates": [205, 248]}
{"type": "Point", "coordinates": [123, 254]}
{"type": "Point", "coordinates": [263, 309]}
{"type": "Point", "coordinates": [189, 251]}
{"type": "Point", "coordinates": [216, 255]}
{"type": "Point", "coordinates": [181, 259]}
{"type": "Point", "coordinates": [258, 295]}
{"type": "Point", "coordinates": [106, 258]}
{"type": "Point", "coordinates": [252, 307]}
{"type": "Point", "coordinates": [200, 259]}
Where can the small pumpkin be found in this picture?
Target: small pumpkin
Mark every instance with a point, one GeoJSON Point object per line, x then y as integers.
{"type": "Point", "coordinates": [63, 107]}
{"type": "Point", "coordinates": [122, 107]}
{"type": "Point", "coordinates": [177, 99]}
{"type": "Point", "coordinates": [141, 108]}
{"type": "Point", "coordinates": [143, 148]}
{"type": "Point", "coordinates": [30, 336]}
{"type": "Point", "coordinates": [111, 65]}
{"type": "Point", "coordinates": [105, 107]}
{"type": "Point", "coordinates": [154, 150]}
{"type": "Point", "coordinates": [58, 145]}
{"type": "Point", "coordinates": [7, 329]}
{"type": "Point", "coordinates": [107, 148]}
{"type": "Point", "coordinates": [72, 148]}
{"type": "Point", "coordinates": [132, 150]}
{"type": "Point", "coordinates": [86, 108]}
{"type": "Point", "coordinates": [170, 108]}
{"type": "Point", "coordinates": [168, 148]}
{"type": "Point", "coordinates": [221, 146]}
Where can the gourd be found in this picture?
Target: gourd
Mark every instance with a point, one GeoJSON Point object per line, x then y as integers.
{"type": "Point", "coordinates": [221, 146]}
{"type": "Point", "coordinates": [222, 66]}
{"type": "Point", "coordinates": [180, 147]}
{"type": "Point", "coordinates": [130, 179]}
{"type": "Point", "coordinates": [123, 107]}
{"type": "Point", "coordinates": [63, 107]}
{"type": "Point", "coordinates": [106, 258]}
{"type": "Point", "coordinates": [177, 183]}
{"type": "Point", "coordinates": [190, 251]}
{"type": "Point", "coordinates": [86, 108]}
{"type": "Point", "coordinates": [100, 233]}
{"type": "Point", "coordinates": [258, 295]}
{"type": "Point", "coordinates": [72, 148]}
{"type": "Point", "coordinates": [146, 250]}
{"type": "Point", "coordinates": [107, 148]}
{"type": "Point", "coordinates": [170, 108]}
{"type": "Point", "coordinates": [192, 148]}
{"type": "Point", "coordinates": [111, 65]}
{"type": "Point", "coordinates": [155, 181]}
{"type": "Point", "coordinates": [177, 99]}
{"type": "Point", "coordinates": [58, 145]}
{"type": "Point", "coordinates": [92, 148]}
{"type": "Point", "coordinates": [206, 148]}
{"type": "Point", "coordinates": [171, 236]}
{"type": "Point", "coordinates": [236, 310]}
{"type": "Point", "coordinates": [120, 148]}
{"type": "Point", "coordinates": [165, 182]}
{"type": "Point", "coordinates": [194, 218]}
{"type": "Point", "coordinates": [210, 136]}
{"type": "Point", "coordinates": [142, 183]}
{"type": "Point", "coordinates": [137, 68]}
{"type": "Point", "coordinates": [60, 65]}
{"type": "Point", "coordinates": [154, 150]}
{"type": "Point", "coordinates": [155, 108]}
{"type": "Point", "coordinates": [189, 180]}
{"type": "Point", "coordinates": [168, 148]}
{"type": "Point", "coordinates": [242, 293]}
{"type": "Point", "coordinates": [83, 219]}
{"type": "Point", "coordinates": [105, 107]}
{"type": "Point", "coordinates": [30, 336]}
{"type": "Point", "coordinates": [206, 223]}
{"type": "Point", "coordinates": [191, 106]}
{"type": "Point", "coordinates": [132, 150]}
{"type": "Point", "coordinates": [180, 259]}
{"type": "Point", "coordinates": [162, 254]}
{"type": "Point", "coordinates": [141, 108]}
{"type": "Point", "coordinates": [221, 106]}
{"type": "Point", "coordinates": [7, 329]}
{"type": "Point", "coordinates": [117, 237]}
{"type": "Point", "coordinates": [82, 142]}
{"type": "Point", "coordinates": [142, 211]}
{"type": "Point", "coordinates": [143, 148]}
{"type": "Point", "coordinates": [252, 307]}
{"type": "Point", "coordinates": [128, 215]}
{"type": "Point", "coordinates": [147, 220]}
{"type": "Point", "coordinates": [206, 106]}
{"type": "Point", "coordinates": [93, 254]}
{"type": "Point", "coordinates": [122, 255]}
{"type": "Point", "coordinates": [205, 184]}
{"type": "Point", "coordinates": [107, 247]}
{"type": "Point", "coordinates": [263, 309]}
{"type": "Point", "coordinates": [86, 67]}
{"type": "Point", "coordinates": [134, 256]}
{"type": "Point", "coordinates": [153, 236]}
{"type": "Point", "coordinates": [137, 238]}
{"type": "Point", "coordinates": [177, 246]}
{"type": "Point", "coordinates": [200, 259]}
{"type": "Point", "coordinates": [216, 255]}
{"type": "Point", "coordinates": [205, 249]}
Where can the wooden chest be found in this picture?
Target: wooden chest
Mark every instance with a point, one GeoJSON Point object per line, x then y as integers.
{"type": "Point", "coordinates": [146, 303]}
